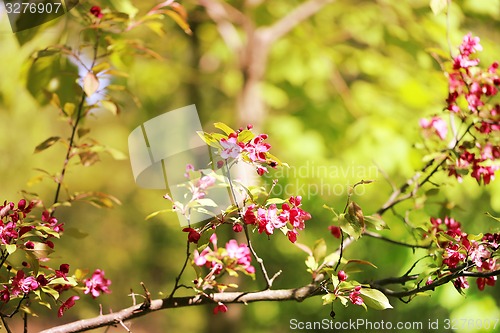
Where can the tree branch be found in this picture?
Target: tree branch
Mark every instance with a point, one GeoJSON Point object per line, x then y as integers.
{"type": "Point", "coordinates": [436, 283]}
{"type": "Point", "coordinates": [377, 236]}
{"type": "Point", "coordinates": [298, 294]}
{"type": "Point", "coordinates": [294, 18]}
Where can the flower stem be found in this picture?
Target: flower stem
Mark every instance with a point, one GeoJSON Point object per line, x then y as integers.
{"type": "Point", "coordinates": [75, 126]}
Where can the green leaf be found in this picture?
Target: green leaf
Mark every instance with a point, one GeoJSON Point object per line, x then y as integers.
{"type": "Point", "coordinates": [42, 250]}
{"type": "Point", "coordinates": [223, 127]}
{"type": "Point", "coordinates": [375, 299]}
{"type": "Point", "coordinates": [437, 6]}
{"type": "Point", "coordinates": [49, 291]}
{"type": "Point", "coordinates": [97, 199]}
{"type": "Point", "coordinates": [46, 53]}
{"type": "Point", "coordinates": [276, 201]}
{"type": "Point", "coordinates": [343, 300]}
{"type": "Point", "coordinates": [375, 222]}
{"type": "Point", "coordinates": [11, 248]}
{"type": "Point", "coordinates": [209, 140]}
{"type": "Point", "coordinates": [156, 27]}
{"type": "Point", "coordinates": [311, 263]}
{"type": "Point", "coordinates": [181, 22]}
{"type": "Point", "coordinates": [116, 154]}
{"type": "Point", "coordinates": [347, 227]}
{"type": "Point", "coordinates": [101, 67]}
{"type": "Point", "coordinates": [245, 136]}
{"type": "Point", "coordinates": [69, 109]}
{"type": "Point", "coordinates": [493, 217]}
{"type": "Point", "coordinates": [70, 281]}
{"type": "Point", "coordinates": [150, 216]}
{"type": "Point", "coordinates": [75, 233]}
{"type": "Point", "coordinates": [328, 298]}
{"type": "Point", "coordinates": [82, 132]}
{"type": "Point", "coordinates": [355, 219]}
{"type": "Point", "coordinates": [432, 192]}
{"type": "Point", "coordinates": [47, 143]}
{"type": "Point", "coordinates": [333, 258]}
{"type": "Point", "coordinates": [319, 250]}
{"type": "Point", "coordinates": [111, 107]}
{"type": "Point", "coordinates": [206, 202]}
{"type": "Point", "coordinates": [361, 262]}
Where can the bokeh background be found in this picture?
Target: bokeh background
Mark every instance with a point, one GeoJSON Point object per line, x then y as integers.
{"type": "Point", "coordinates": [343, 92]}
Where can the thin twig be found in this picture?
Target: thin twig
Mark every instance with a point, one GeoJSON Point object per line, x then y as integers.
{"type": "Point", "coordinates": [25, 321]}
{"type": "Point", "coordinates": [377, 236]}
{"type": "Point", "coordinates": [75, 125]}
{"type": "Point", "coordinates": [4, 322]}
{"type": "Point", "coordinates": [178, 277]}
{"type": "Point", "coordinates": [269, 282]}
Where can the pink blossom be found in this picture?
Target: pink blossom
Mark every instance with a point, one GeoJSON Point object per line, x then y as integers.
{"type": "Point", "coordinates": [470, 45]}
{"type": "Point", "coordinates": [335, 231]}
{"type": "Point", "coordinates": [8, 232]}
{"type": "Point", "coordinates": [189, 168]}
{"type": "Point", "coordinates": [97, 284]}
{"type": "Point", "coordinates": [478, 253]}
{"type": "Point", "coordinates": [193, 235]}
{"type": "Point", "coordinates": [220, 308]}
{"type": "Point", "coordinates": [231, 146]}
{"type": "Point", "coordinates": [239, 252]}
{"type": "Point", "coordinates": [70, 302]}
{"type": "Point", "coordinates": [237, 227]}
{"type": "Point", "coordinates": [490, 281]}
{"type": "Point", "coordinates": [453, 256]}
{"type": "Point", "coordinates": [205, 182]}
{"type": "Point", "coordinates": [62, 271]}
{"type": "Point", "coordinates": [4, 294]}
{"type": "Point", "coordinates": [257, 148]}
{"type": "Point", "coordinates": [199, 258]}
{"type": "Point", "coordinates": [342, 276]}
{"type": "Point", "coordinates": [461, 283]}
{"type": "Point", "coordinates": [484, 173]}
{"type": "Point", "coordinates": [270, 219]}
{"type": "Point", "coordinates": [437, 125]}
{"type": "Point", "coordinates": [23, 284]}
{"type": "Point", "coordinates": [261, 170]}
{"type": "Point", "coordinates": [52, 222]}
{"type": "Point", "coordinates": [354, 296]}
{"type": "Point", "coordinates": [249, 216]}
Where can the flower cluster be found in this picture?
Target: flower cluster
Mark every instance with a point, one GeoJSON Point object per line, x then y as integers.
{"type": "Point", "coordinates": [97, 284]}
{"type": "Point", "coordinates": [271, 218]}
{"type": "Point", "coordinates": [249, 147]}
{"type": "Point", "coordinates": [200, 186]}
{"type": "Point", "coordinates": [470, 96]}
{"type": "Point", "coordinates": [198, 183]}
{"type": "Point", "coordinates": [230, 259]}
{"type": "Point", "coordinates": [471, 90]}
{"type": "Point", "coordinates": [344, 291]}
{"type": "Point", "coordinates": [434, 126]}
{"type": "Point", "coordinates": [461, 250]}
{"type": "Point", "coordinates": [27, 280]}
{"type": "Point", "coordinates": [479, 162]}
{"type": "Point", "coordinates": [96, 11]}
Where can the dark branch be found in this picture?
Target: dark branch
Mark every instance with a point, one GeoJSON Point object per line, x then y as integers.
{"type": "Point", "coordinates": [136, 311]}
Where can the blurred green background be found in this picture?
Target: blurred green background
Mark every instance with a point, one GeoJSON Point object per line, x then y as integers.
{"type": "Point", "coordinates": [344, 91]}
